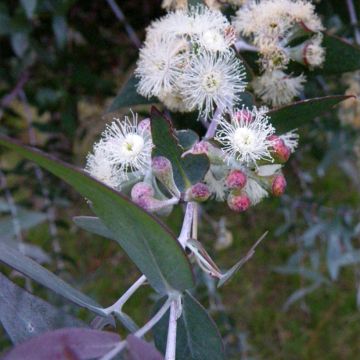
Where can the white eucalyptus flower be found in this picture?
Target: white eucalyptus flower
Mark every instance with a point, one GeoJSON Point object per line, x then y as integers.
{"type": "Point", "coordinates": [245, 138]}
{"type": "Point", "coordinates": [101, 168]}
{"type": "Point", "coordinates": [254, 191]}
{"type": "Point", "coordinates": [278, 88]}
{"type": "Point", "coordinates": [291, 139]}
{"type": "Point", "coordinates": [212, 80]}
{"type": "Point", "coordinates": [123, 149]}
{"type": "Point", "coordinates": [159, 66]}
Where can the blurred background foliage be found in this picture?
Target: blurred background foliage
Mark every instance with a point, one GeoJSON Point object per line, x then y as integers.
{"type": "Point", "coordinates": [61, 64]}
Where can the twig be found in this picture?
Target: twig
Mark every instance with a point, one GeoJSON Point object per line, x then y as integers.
{"type": "Point", "coordinates": [154, 320]}
{"type": "Point", "coordinates": [213, 124]}
{"type": "Point", "coordinates": [126, 296]}
{"type": "Point", "coordinates": [185, 233]}
{"type": "Point", "coordinates": [128, 28]}
{"type": "Point", "coordinates": [241, 45]}
{"type": "Point", "coordinates": [354, 20]}
{"type": "Point", "coordinates": [171, 336]}
{"type": "Point", "coordinates": [7, 99]}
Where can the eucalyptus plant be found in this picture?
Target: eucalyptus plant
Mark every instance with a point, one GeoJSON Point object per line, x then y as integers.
{"type": "Point", "coordinates": [223, 72]}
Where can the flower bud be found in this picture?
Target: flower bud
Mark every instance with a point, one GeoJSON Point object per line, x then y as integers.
{"type": "Point", "coordinates": [238, 202]}
{"type": "Point", "coordinates": [198, 192]}
{"type": "Point", "coordinates": [279, 151]}
{"type": "Point", "coordinates": [163, 171]}
{"type": "Point", "coordinates": [278, 185]}
{"type": "Point", "coordinates": [141, 190]}
{"type": "Point", "coordinates": [144, 125]}
{"type": "Point", "coordinates": [236, 179]}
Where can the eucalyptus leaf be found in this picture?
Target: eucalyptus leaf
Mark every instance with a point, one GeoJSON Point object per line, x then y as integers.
{"type": "Point", "coordinates": [26, 220]}
{"type": "Point", "coordinates": [33, 270]}
{"type": "Point", "coordinates": [29, 7]}
{"type": "Point", "coordinates": [94, 225]}
{"type": "Point", "coordinates": [187, 170]}
{"type": "Point", "coordinates": [141, 350]}
{"type": "Point", "coordinates": [230, 273]}
{"type": "Point", "coordinates": [19, 43]}
{"type": "Point", "coordinates": [302, 112]}
{"type": "Point", "coordinates": [340, 56]}
{"type": "Point", "coordinates": [197, 336]}
{"type": "Point", "coordinates": [24, 315]}
{"type": "Point", "coordinates": [128, 96]}
{"type": "Point", "coordinates": [69, 343]}
{"type": "Point", "coordinates": [187, 138]}
{"type": "Point", "coordinates": [299, 294]}
{"type": "Point", "coordinates": [146, 240]}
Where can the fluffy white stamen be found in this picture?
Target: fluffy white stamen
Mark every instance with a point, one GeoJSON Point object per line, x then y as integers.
{"type": "Point", "coordinates": [245, 138]}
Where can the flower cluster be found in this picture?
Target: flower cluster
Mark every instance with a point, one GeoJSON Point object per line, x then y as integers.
{"type": "Point", "coordinates": [188, 62]}
{"type": "Point", "coordinates": [245, 156]}
{"type": "Point", "coordinates": [282, 31]}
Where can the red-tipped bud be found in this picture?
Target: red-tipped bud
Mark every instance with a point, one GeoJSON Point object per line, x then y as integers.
{"type": "Point", "coordinates": [198, 192]}
{"type": "Point", "coordinates": [238, 203]}
{"type": "Point", "coordinates": [236, 179]}
{"type": "Point", "coordinates": [163, 171]}
{"type": "Point", "coordinates": [141, 190]}
{"type": "Point", "coordinates": [144, 125]}
{"type": "Point", "coordinates": [279, 151]}
{"type": "Point", "coordinates": [278, 185]}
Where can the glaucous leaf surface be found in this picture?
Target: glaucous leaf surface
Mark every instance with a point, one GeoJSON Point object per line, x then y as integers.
{"type": "Point", "coordinates": [147, 241]}
{"type": "Point", "coordinates": [139, 349]}
{"type": "Point", "coordinates": [189, 169]}
{"type": "Point", "coordinates": [128, 96]}
{"type": "Point", "coordinates": [340, 56]}
{"type": "Point", "coordinates": [302, 112]}
{"type": "Point", "coordinates": [197, 335]}
{"type": "Point", "coordinates": [15, 259]}
{"type": "Point", "coordinates": [68, 343]}
{"type": "Point", "coordinates": [24, 315]}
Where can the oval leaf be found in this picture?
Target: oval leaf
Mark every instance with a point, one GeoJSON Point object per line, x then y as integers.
{"type": "Point", "coordinates": [70, 343]}
{"type": "Point", "coordinates": [187, 170]}
{"type": "Point", "coordinates": [141, 350]}
{"type": "Point", "coordinates": [147, 241]}
{"type": "Point", "coordinates": [197, 335]}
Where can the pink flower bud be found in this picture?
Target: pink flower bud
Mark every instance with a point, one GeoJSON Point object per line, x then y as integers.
{"type": "Point", "coordinates": [198, 192]}
{"type": "Point", "coordinates": [278, 185]}
{"type": "Point", "coordinates": [163, 171]}
{"type": "Point", "coordinates": [161, 164]}
{"type": "Point", "coordinates": [279, 151]}
{"type": "Point", "coordinates": [141, 190]}
{"type": "Point", "coordinates": [236, 179]}
{"type": "Point", "coordinates": [144, 125]}
{"type": "Point", "coordinates": [238, 203]}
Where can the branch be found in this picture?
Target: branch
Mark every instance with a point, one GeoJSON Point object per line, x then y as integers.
{"type": "Point", "coordinates": [354, 20]}
{"type": "Point", "coordinates": [171, 337]}
{"type": "Point", "coordinates": [128, 28]}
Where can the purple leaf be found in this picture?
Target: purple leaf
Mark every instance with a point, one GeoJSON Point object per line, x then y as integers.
{"type": "Point", "coordinates": [141, 350]}
{"type": "Point", "coordinates": [68, 343]}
